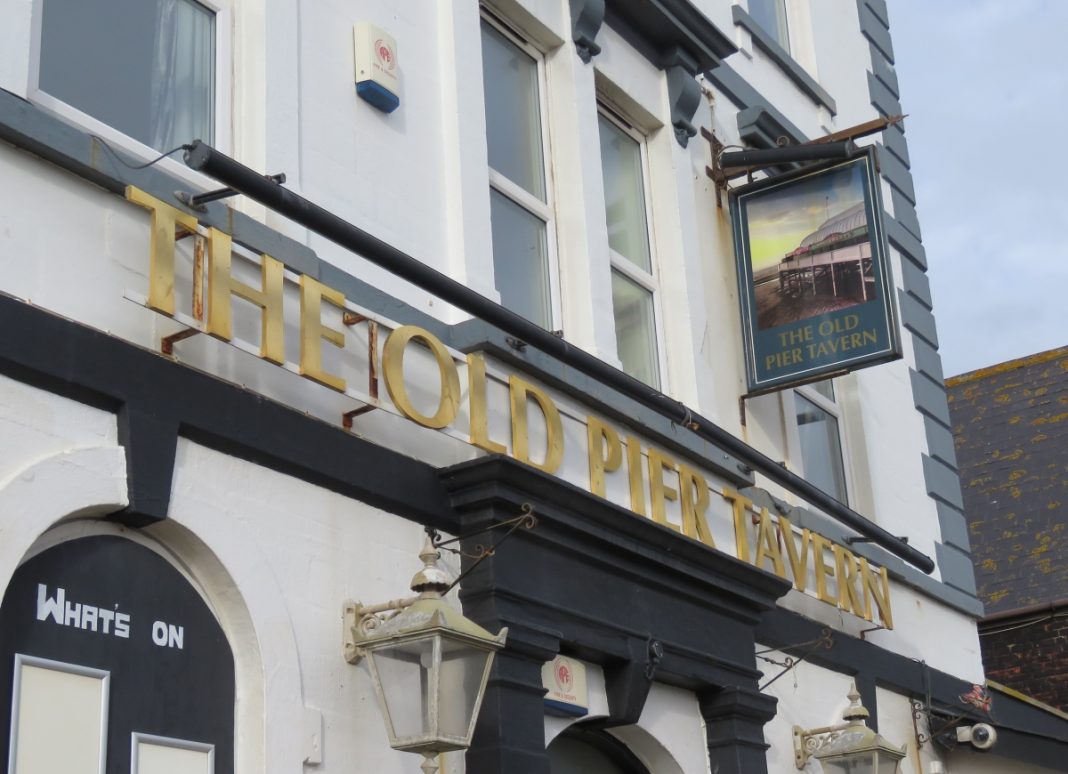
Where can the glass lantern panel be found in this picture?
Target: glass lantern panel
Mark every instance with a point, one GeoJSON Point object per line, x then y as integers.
{"type": "Point", "coordinates": [462, 669]}
{"type": "Point", "coordinates": [857, 764]}
{"type": "Point", "coordinates": [404, 675]}
{"type": "Point", "coordinates": [887, 765]}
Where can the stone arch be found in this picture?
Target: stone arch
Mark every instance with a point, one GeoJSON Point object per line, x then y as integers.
{"type": "Point", "coordinates": [640, 744]}
{"type": "Point", "coordinates": [66, 495]}
{"type": "Point", "coordinates": [80, 483]}
{"type": "Point", "coordinates": [220, 589]}
{"type": "Point", "coordinates": [648, 749]}
{"type": "Point", "coordinates": [105, 606]}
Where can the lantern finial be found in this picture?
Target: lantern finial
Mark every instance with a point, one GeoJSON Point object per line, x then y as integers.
{"type": "Point", "coordinates": [855, 711]}
{"type": "Point", "coordinates": [431, 581]}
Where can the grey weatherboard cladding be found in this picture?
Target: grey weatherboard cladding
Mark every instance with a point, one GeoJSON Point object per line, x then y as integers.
{"type": "Point", "coordinates": [916, 309]}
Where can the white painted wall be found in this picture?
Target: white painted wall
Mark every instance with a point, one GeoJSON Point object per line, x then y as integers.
{"type": "Point", "coordinates": [277, 557]}
{"type": "Point", "coordinates": [809, 697]}
{"type": "Point", "coordinates": [425, 164]}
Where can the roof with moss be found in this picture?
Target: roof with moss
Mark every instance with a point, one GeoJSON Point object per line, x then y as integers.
{"type": "Point", "coordinates": [1010, 425]}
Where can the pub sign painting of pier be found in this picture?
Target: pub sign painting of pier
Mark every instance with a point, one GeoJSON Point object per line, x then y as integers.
{"type": "Point", "coordinates": [814, 282]}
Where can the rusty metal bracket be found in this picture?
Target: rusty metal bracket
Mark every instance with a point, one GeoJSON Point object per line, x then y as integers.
{"type": "Point", "coordinates": [714, 171]}
{"type": "Point", "coordinates": [526, 520]}
{"type": "Point", "coordinates": [824, 641]}
{"type": "Point", "coordinates": [166, 344]}
{"type": "Point", "coordinates": [860, 130]}
{"type": "Point", "coordinates": [721, 176]}
{"type": "Point", "coordinates": [350, 319]}
{"type": "Point", "coordinates": [865, 632]}
{"type": "Point", "coordinates": [348, 417]}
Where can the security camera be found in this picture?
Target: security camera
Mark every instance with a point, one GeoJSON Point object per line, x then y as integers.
{"type": "Point", "coordinates": [981, 736]}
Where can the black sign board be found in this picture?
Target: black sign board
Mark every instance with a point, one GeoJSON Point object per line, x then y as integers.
{"type": "Point", "coordinates": [107, 603]}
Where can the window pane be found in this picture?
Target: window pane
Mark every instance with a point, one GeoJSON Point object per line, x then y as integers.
{"type": "Point", "coordinates": [824, 388]}
{"type": "Point", "coordinates": [145, 67]}
{"type": "Point", "coordinates": [821, 449]}
{"type": "Point", "coordinates": [624, 195]}
{"type": "Point", "coordinates": [771, 16]}
{"type": "Point", "coordinates": [635, 331]}
{"type": "Point", "coordinates": [520, 259]}
{"type": "Point", "coordinates": [513, 118]}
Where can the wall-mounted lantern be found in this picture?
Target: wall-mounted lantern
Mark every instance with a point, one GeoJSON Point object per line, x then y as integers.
{"type": "Point", "coordinates": [429, 664]}
{"type": "Point", "coordinates": [850, 747]}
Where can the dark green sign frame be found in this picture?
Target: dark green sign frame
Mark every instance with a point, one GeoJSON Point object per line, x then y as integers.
{"type": "Point", "coordinates": [817, 296]}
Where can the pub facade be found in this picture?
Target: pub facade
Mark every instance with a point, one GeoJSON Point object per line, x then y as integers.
{"type": "Point", "coordinates": [489, 330]}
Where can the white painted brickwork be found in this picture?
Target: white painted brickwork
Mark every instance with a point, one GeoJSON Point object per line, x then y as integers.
{"type": "Point", "coordinates": [275, 556]}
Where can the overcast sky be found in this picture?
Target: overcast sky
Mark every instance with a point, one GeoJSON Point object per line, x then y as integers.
{"type": "Point", "coordinates": [985, 86]}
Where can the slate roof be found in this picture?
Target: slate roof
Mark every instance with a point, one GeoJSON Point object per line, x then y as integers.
{"type": "Point", "coordinates": [1010, 425]}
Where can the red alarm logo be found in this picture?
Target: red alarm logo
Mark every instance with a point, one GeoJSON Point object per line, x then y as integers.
{"type": "Point", "coordinates": [385, 54]}
{"type": "Point", "coordinates": [564, 678]}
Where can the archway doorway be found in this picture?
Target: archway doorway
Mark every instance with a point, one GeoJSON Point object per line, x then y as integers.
{"type": "Point", "coordinates": [110, 663]}
{"type": "Point", "coordinates": [582, 750]}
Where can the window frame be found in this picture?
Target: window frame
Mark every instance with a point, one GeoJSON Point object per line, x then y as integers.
{"type": "Point", "coordinates": [793, 436]}
{"type": "Point", "coordinates": [223, 85]}
{"type": "Point", "coordinates": [784, 13]}
{"type": "Point", "coordinates": [618, 262]}
{"type": "Point", "coordinates": [499, 182]}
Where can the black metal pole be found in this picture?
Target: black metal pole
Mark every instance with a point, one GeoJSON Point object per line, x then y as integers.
{"type": "Point", "coordinates": [206, 159]}
{"type": "Point", "coordinates": [767, 157]}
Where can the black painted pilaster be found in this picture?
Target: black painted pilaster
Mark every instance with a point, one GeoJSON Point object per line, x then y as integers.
{"type": "Point", "coordinates": [734, 721]}
{"type": "Point", "coordinates": [597, 582]}
{"type": "Point", "coordinates": [627, 683]}
{"type": "Point", "coordinates": [150, 441]}
{"type": "Point", "coordinates": [510, 732]}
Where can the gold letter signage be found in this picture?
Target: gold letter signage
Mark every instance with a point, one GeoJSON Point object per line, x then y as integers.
{"type": "Point", "coordinates": [614, 465]}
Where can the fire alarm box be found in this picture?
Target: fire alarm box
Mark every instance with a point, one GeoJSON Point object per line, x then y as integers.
{"type": "Point", "coordinates": [377, 70]}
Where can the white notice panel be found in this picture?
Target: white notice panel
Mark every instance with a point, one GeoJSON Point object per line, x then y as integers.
{"type": "Point", "coordinates": [58, 718]}
{"type": "Point", "coordinates": [162, 755]}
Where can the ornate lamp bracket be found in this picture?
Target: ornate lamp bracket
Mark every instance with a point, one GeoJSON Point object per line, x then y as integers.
{"type": "Point", "coordinates": [809, 742]}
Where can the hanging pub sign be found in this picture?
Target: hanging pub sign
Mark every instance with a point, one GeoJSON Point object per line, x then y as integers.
{"type": "Point", "coordinates": [814, 281]}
